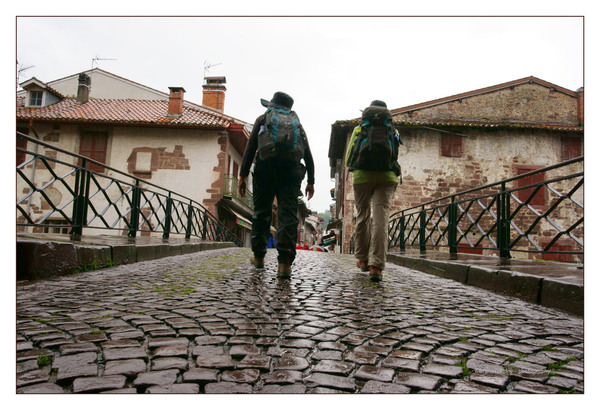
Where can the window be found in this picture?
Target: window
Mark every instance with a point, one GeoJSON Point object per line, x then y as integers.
{"type": "Point", "coordinates": [35, 98]}
{"type": "Point", "coordinates": [57, 226]}
{"type": "Point", "coordinates": [570, 147]}
{"type": "Point", "coordinates": [236, 169]}
{"type": "Point", "coordinates": [465, 248]}
{"type": "Point", "coordinates": [452, 145]}
{"type": "Point", "coordinates": [524, 194]}
{"type": "Point", "coordinates": [21, 143]}
{"type": "Point", "coordinates": [559, 257]}
{"type": "Point", "coordinates": [93, 145]}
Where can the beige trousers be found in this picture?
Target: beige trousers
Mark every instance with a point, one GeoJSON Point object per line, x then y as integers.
{"type": "Point", "coordinates": [373, 201]}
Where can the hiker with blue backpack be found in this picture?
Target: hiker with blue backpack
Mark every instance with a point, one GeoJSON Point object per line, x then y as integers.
{"type": "Point", "coordinates": [279, 143]}
{"type": "Point", "coordinates": [372, 156]}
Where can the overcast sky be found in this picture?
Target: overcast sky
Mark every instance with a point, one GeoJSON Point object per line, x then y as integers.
{"type": "Point", "coordinates": [332, 66]}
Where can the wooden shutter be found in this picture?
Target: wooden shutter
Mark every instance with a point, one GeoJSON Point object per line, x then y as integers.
{"type": "Point", "coordinates": [451, 145]}
{"type": "Point", "coordinates": [94, 145]}
{"type": "Point", "coordinates": [570, 147]}
{"type": "Point", "coordinates": [523, 194]}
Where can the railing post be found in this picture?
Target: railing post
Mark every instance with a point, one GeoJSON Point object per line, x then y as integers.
{"type": "Point", "coordinates": [204, 223]}
{"type": "Point", "coordinates": [401, 238]}
{"type": "Point", "coordinates": [190, 217]}
{"type": "Point", "coordinates": [503, 222]}
{"type": "Point", "coordinates": [134, 220]}
{"type": "Point", "coordinates": [453, 226]}
{"type": "Point", "coordinates": [422, 223]}
{"type": "Point", "coordinates": [79, 217]}
{"type": "Point", "coordinates": [168, 217]}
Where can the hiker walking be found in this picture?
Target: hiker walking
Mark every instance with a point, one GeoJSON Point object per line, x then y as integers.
{"type": "Point", "coordinates": [372, 158]}
{"type": "Point", "coordinates": [280, 143]}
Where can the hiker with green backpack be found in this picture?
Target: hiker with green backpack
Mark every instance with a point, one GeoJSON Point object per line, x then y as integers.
{"type": "Point", "coordinates": [280, 145]}
{"type": "Point", "coordinates": [372, 156]}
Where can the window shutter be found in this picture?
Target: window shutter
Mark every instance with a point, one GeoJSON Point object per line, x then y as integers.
{"type": "Point", "coordinates": [524, 194]}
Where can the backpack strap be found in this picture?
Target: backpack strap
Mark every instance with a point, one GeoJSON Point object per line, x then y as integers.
{"type": "Point", "coordinates": [355, 148]}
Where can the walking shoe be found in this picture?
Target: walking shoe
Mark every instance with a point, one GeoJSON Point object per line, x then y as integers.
{"type": "Point", "coordinates": [258, 263]}
{"type": "Point", "coordinates": [375, 274]}
{"type": "Point", "coordinates": [362, 265]}
{"type": "Point", "coordinates": [284, 270]}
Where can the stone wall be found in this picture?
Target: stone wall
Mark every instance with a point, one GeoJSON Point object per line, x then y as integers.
{"type": "Point", "coordinates": [532, 103]}
{"type": "Point", "coordinates": [489, 156]}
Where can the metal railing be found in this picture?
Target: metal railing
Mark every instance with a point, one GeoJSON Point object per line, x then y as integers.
{"type": "Point", "coordinates": [230, 189]}
{"type": "Point", "coordinates": [57, 189]}
{"type": "Point", "coordinates": [540, 212]}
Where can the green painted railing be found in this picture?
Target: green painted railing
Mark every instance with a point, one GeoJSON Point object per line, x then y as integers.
{"type": "Point", "coordinates": [56, 189]}
{"type": "Point", "coordinates": [504, 218]}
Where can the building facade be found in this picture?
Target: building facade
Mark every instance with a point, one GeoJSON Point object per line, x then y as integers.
{"type": "Point", "coordinates": [194, 150]}
{"type": "Point", "coordinates": [469, 140]}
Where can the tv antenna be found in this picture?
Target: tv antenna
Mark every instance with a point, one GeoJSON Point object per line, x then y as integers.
{"type": "Point", "coordinates": [96, 59]}
{"type": "Point", "coordinates": [20, 69]}
{"type": "Point", "coordinates": [208, 65]}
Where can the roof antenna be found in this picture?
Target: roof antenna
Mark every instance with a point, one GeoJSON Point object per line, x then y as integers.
{"type": "Point", "coordinates": [208, 65]}
{"type": "Point", "coordinates": [20, 69]}
{"type": "Point", "coordinates": [96, 59]}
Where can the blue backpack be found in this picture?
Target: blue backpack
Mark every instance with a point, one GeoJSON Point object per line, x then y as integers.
{"type": "Point", "coordinates": [281, 136]}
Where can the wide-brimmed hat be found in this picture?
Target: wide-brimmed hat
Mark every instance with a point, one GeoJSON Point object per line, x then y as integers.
{"type": "Point", "coordinates": [280, 100]}
{"type": "Point", "coordinates": [378, 103]}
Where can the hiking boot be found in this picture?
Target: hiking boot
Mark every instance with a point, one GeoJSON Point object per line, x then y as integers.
{"type": "Point", "coordinates": [284, 270]}
{"type": "Point", "coordinates": [258, 263]}
{"type": "Point", "coordinates": [375, 274]}
{"type": "Point", "coordinates": [362, 265]}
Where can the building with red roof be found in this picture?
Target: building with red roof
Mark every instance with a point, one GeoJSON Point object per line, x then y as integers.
{"type": "Point", "coordinates": [192, 149]}
{"type": "Point", "coordinates": [468, 140]}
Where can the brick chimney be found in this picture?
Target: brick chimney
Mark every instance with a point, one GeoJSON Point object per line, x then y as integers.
{"type": "Point", "coordinates": [213, 92]}
{"type": "Point", "coordinates": [175, 101]}
{"type": "Point", "coordinates": [83, 88]}
{"type": "Point", "coordinates": [580, 106]}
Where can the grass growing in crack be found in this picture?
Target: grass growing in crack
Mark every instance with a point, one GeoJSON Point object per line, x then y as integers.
{"type": "Point", "coordinates": [44, 360]}
{"type": "Point", "coordinates": [463, 364]}
{"type": "Point", "coordinates": [45, 321]}
{"type": "Point", "coordinates": [560, 364]}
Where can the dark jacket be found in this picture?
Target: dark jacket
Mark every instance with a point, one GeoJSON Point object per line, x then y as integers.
{"type": "Point", "coordinates": [252, 146]}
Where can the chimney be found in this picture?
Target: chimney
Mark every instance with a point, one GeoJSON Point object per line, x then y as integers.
{"type": "Point", "coordinates": [580, 106]}
{"type": "Point", "coordinates": [213, 94]}
{"type": "Point", "coordinates": [83, 88]}
{"type": "Point", "coordinates": [176, 101]}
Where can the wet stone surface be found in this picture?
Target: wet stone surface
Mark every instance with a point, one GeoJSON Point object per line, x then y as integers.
{"type": "Point", "coordinates": [211, 323]}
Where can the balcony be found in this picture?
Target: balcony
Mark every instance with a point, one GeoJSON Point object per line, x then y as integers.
{"type": "Point", "coordinates": [230, 191]}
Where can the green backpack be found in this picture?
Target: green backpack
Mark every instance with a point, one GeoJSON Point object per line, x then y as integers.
{"type": "Point", "coordinates": [376, 147]}
{"type": "Point", "coordinates": [281, 136]}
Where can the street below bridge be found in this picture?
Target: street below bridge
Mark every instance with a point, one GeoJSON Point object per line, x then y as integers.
{"type": "Point", "coordinates": [209, 322]}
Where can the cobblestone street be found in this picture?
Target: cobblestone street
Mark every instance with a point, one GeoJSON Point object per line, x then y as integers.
{"type": "Point", "coordinates": [209, 322]}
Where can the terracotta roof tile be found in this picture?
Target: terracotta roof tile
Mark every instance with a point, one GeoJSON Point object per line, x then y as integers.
{"type": "Point", "coordinates": [140, 112]}
{"type": "Point", "coordinates": [469, 124]}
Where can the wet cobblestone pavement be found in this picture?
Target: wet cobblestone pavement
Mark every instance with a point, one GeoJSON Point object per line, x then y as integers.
{"type": "Point", "coordinates": [210, 323]}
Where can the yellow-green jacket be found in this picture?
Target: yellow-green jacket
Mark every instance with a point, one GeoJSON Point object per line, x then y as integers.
{"type": "Point", "coordinates": [361, 176]}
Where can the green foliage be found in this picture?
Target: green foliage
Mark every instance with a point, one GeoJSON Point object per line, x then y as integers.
{"type": "Point", "coordinates": [465, 369]}
{"type": "Point", "coordinates": [44, 360]}
{"type": "Point", "coordinates": [560, 364]}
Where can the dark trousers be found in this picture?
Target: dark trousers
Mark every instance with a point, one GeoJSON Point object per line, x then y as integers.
{"type": "Point", "coordinates": [281, 180]}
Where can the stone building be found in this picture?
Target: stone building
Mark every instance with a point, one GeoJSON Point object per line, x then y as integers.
{"type": "Point", "coordinates": [191, 149]}
{"type": "Point", "coordinates": [469, 140]}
